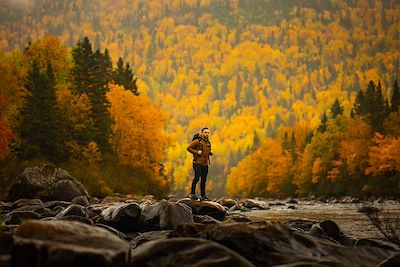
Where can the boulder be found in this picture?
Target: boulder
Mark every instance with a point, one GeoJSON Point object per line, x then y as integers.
{"type": "Point", "coordinates": [227, 202]}
{"type": "Point", "coordinates": [123, 217]}
{"type": "Point", "coordinates": [149, 236]}
{"type": "Point", "coordinates": [164, 215]}
{"type": "Point", "coordinates": [47, 183]}
{"type": "Point", "coordinates": [186, 252]}
{"type": "Point", "coordinates": [277, 244]}
{"type": "Point", "coordinates": [60, 243]}
{"type": "Point", "coordinates": [17, 217]}
{"type": "Point", "coordinates": [213, 209]}
{"type": "Point", "coordinates": [75, 210]}
{"type": "Point", "coordinates": [393, 261]}
{"type": "Point", "coordinates": [255, 204]}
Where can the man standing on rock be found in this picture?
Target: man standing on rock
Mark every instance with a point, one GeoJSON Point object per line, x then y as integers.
{"type": "Point", "coordinates": [201, 150]}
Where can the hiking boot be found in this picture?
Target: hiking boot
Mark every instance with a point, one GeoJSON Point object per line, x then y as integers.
{"type": "Point", "coordinates": [204, 198]}
{"type": "Point", "coordinates": [193, 197]}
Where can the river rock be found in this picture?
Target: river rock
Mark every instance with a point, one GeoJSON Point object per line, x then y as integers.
{"type": "Point", "coordinates": [213, 209]}
{"type": "Point", "coordinates": [393, 261]}
{"type": "Point", "coordinates": [164, 215]}
{"type": "Point", "coordinates": [47, 183]}
{"type": "Point", "coordinates": [16, 217]}
{"type": "Point", "coordinates": [186, 252]}
{"type": "Point", "coordinates": [122, 216]}
{"type": "Point", "coordinates": [276, 244]}
{"type": "Point", "coordinates": [255, 204]}
{"type": "Point", "coordinates": [26, 202]}
{"type": "Point", "coordinates": [62, 244]}
{"type": "Point", "coordinates": [149, 236]}
{"type": "Point", "coordinates": [227, 202]}
{"type": "Point", "coordinates": [75, 210]}
{"type": "Point", "coordinates": [81, 200]}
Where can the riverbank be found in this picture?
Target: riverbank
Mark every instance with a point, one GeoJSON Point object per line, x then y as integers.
{"type": "Point", "coordinates": [132, 231]}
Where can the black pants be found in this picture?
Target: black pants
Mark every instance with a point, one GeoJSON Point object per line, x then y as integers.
{"type": "Point", "coordinates": [200, 171]}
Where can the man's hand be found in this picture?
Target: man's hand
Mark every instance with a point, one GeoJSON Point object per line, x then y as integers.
{"type": "Point", "coordinates": [199, 152]}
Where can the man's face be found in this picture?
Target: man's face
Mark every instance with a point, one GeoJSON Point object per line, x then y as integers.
{"type": "Point", "coordinates": [206, 133]}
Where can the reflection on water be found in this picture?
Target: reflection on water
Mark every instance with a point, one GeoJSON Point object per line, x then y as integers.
{"type": "Point", "coordinates": [345, 215]}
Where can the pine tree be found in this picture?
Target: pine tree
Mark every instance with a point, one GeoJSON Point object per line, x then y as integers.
{"type": "Point", "coordinates": [82, 71]}
{"type": "Point", "coordinates": [39, 127]}
{"type": "Point", "coordinates": [101, 116]}
{"type": "Point", "coordinates": [323, 125]}
{"type": "Point", "coordinates": [336, 109]}
{"type": "Point", "coordinates": [359, 104]}
{"type": "Point", "coordinates": [377, 111]}
{"type": "Point", "coordinates": [395, 99]}
{"type": "Point", "coordinates": [124, 76]}
{"type": "Point", "coordinates": [91, 74]}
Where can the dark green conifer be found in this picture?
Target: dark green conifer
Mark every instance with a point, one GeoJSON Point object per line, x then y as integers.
{"type": "Point", "coordinates": [336, 109]}
{"type": "Point", "coordinates": [39, 127]}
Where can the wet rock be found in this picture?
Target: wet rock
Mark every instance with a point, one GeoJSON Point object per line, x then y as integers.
{"type": "Point", "coordinates": [56, 203]}
{"type": "Point", "coordinates": [74, 210]}
{"type": "Point", "coordinates": [5, 208]}
{"type": "Point", "coordinates": [47, 183]}
{"type": "Point", "coordinates": [149, 236]}
{"type": "Point", "coordinates": [213, 209]}
{"type": "Point", "coordinates": [76, 218]}
{"type": "Point", "coordinates": [62, 244]}
{"type": "Point", "coordinates": [112, 230]}
{"type": "Point", "coordinates": [164, 215]}
{"type": "Point", "coordinates": [122, 216]}
{"type": "Point", "coordinates": [238, 208]}
{"type": "Point", "coordinates": [26, 202]}
{"type": "Point", "coordinates": [302, 225]}
{"type": "Point", "coordinates": [330, 228]}
{"type": "Point", "coordinates": [255, 204]}
{"type": "Point", "coordinates": [186, 252]}
{"type": "Point", "coordinates": [276, 244]}
{"type": "Point", "coordinates": [35, 208]}
{"type": "Point", "coordinates": [227, 202]}
{"type": "Point", "coordinates": [81, 200]}
{"type": "Point", "coordinates": [237, 217]}
{"type": "Point", "coordinates": [204, 219]}
{"type": "Point", "coordinates": [16, 217]}
{"type": "Point", "coordinates": [376, 243]}
{"type": "Point", "coordinates": [393, 261]}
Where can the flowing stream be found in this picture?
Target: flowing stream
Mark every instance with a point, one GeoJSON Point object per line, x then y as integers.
{"type": "Point", "coordinates": [346, 216]}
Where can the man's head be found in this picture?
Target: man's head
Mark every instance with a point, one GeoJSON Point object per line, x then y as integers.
{"type": "Point", "coordinates": [205, 132]}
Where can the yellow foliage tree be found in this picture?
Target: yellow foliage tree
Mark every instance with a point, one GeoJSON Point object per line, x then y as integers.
{"type": "Point", "coordinates": [137, 132]}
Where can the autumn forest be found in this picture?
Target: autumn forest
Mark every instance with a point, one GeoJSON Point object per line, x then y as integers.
{"type": "Point", "coordinates": [301, 96]}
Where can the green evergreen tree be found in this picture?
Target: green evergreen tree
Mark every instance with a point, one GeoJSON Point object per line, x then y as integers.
{"type": "Point", "coordinates": [82, 71]}
{"type": "Point", "coordinates": [336, 109]}
{"type": "Point", "coordinates": [379, 114]}
{"type": "Point", "coordinates": [123, 75]}
{"type": "Point", "coordinates": [39, 127]}
{"type": "Point", "coordinates": [324, 123]}
{"type": "Point", "coordinates": [91, 74]}
{"type": "Point", "coordinates": [101, 116]}
{"type": "Point", "coordinates": [359, 104]}
{"type": "Point", "coordinates": [395, 99]}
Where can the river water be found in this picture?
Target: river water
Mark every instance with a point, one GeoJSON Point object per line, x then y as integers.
{"type": "Point", "coordinates": [346, 216]}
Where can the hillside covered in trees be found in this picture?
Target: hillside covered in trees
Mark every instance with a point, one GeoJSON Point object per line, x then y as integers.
{"type": "Point", "coordinates": [260, 74]}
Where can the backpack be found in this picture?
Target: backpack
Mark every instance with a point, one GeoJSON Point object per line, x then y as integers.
{"type": "Point", "coordinates": [198, 137]}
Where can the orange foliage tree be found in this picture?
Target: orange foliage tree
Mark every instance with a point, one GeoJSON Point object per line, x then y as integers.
{"type": "Point", "coordinates": [137, 132]}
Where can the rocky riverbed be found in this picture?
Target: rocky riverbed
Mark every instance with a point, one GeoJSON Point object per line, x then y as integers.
{"type": "Point", "coordinates": [41, 230]}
